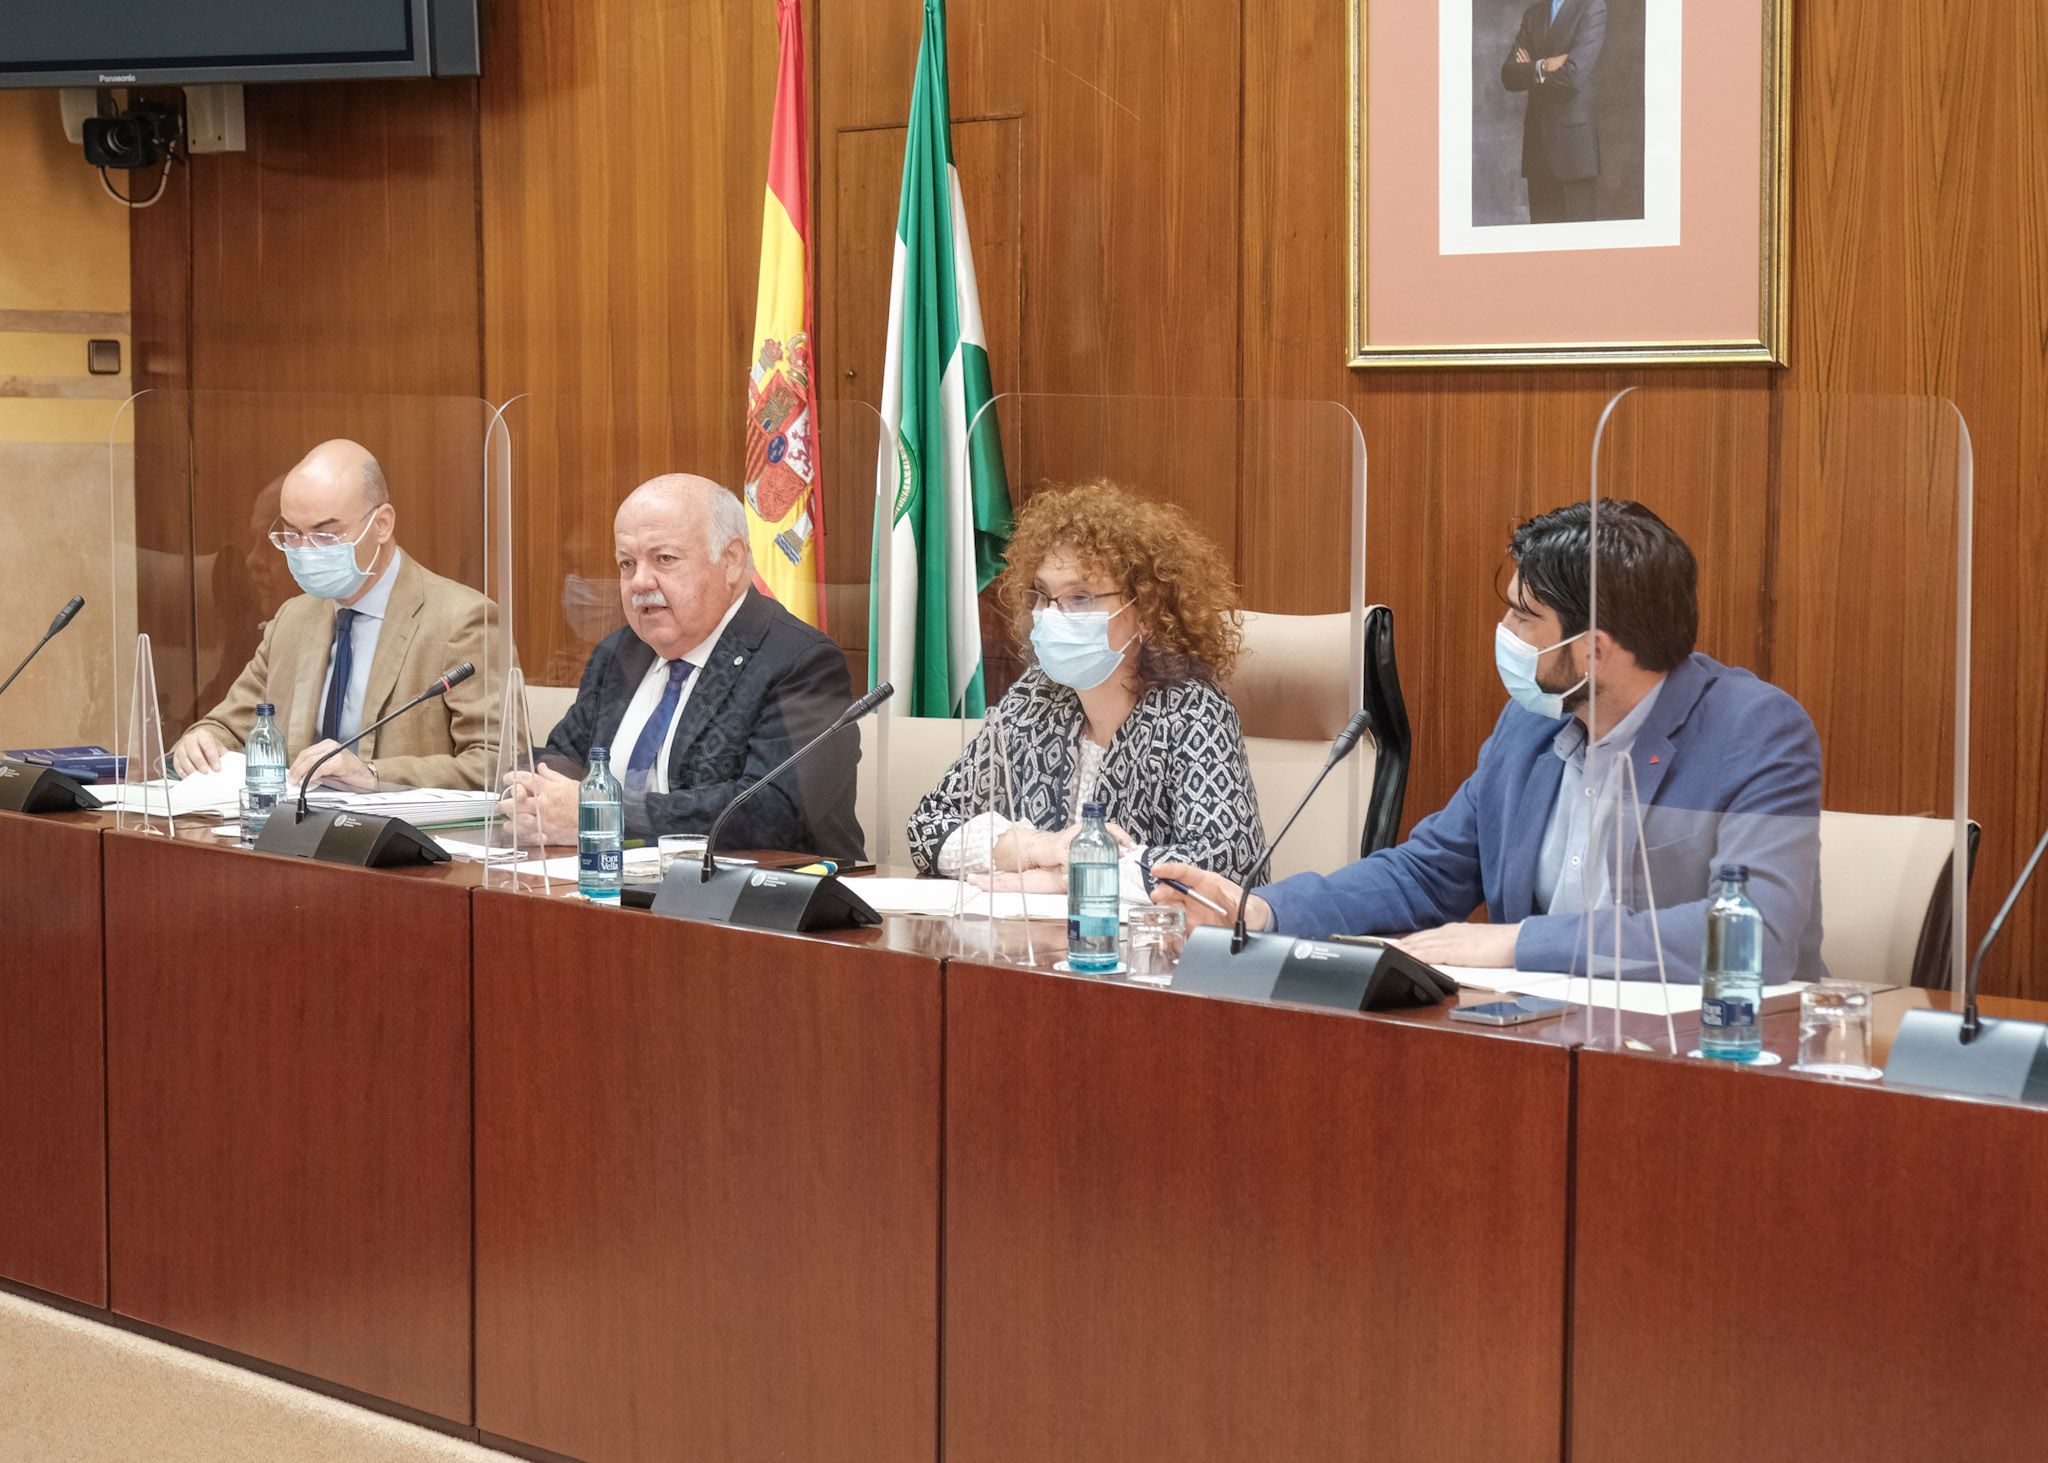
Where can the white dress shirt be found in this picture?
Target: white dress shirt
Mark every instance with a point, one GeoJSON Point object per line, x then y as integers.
{"type": "Point", "coordinates": [648, 696]}
{"type": "Point", "coordinates": [362, 635]}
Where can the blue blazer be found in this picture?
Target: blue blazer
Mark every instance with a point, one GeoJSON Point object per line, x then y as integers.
{"type": "Point", "coordinates": [1727, 770]}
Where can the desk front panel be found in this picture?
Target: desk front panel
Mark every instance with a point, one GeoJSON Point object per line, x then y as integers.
{"type": "Point", "coordinates": [288, 1096]}
{"type": "Point", "coordinates": [707, 1188]}
{"type": "Point", "coordinates": [1769, 1266]}
{"type": "Point", "coordinates": [53, 1134]}
{"type": "Point", "coordinates": [1201, 1231]}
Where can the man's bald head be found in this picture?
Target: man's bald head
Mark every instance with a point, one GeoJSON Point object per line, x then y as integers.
{"type": "Point", "coordinates": [683, 558]}
{"type": "Point", "coordinates": [338, 488]}
{"type": "Point", "coordinates": [343, 466]}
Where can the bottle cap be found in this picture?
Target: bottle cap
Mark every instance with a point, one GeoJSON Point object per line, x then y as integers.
{"type": "Point", "coordinates": [264, 708]}
{"type": "Point", "coordinates": [1091, 810]}
{"type": "Point", "coordinates": [1735, 873]}
{"type": "Point", "coordinates": [599, 754]}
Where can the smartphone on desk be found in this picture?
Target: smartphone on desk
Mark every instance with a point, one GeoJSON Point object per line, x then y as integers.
{"type": "Point", "coordinates": [1516, 1011]}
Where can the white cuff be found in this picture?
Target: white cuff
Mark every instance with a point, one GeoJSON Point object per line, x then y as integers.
{"type": "Point", "coordinates": [970, 848]}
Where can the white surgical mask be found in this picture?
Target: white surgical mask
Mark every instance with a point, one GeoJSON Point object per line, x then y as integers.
{"type": "Point", "coordinates": [1074, 650]}
{"type": "Point", "coordinates": [330, 572]}
{"type": "Point", "coordinates": [1515, 659]}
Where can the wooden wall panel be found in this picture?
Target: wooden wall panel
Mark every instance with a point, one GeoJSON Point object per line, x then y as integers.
{"type": "Point", "coordinates": [322, 283]}
{"type": "Point", "coordinates": [624, 151]}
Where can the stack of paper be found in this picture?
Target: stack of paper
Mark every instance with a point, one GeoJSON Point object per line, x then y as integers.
{"type": "Point", "coordinates": [219, 794]}
{"type": "Point", "coordinates": [423, 807]}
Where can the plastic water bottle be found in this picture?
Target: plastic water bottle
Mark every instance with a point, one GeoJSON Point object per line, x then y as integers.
{"type": "Point", "coordinates": [263, 770]}
{"type": "Point", "coordinates": [1733, 980]}
{"type": "Point", "coordinates": [600, 832]}
{"type": "Point", "coordinates": [1092, 896]}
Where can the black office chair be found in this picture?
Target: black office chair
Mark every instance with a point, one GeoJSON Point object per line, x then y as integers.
{"type": "Point", "coordinates": [1930, 959]}
{"type": "Point", "coordinates": [1390, 734]}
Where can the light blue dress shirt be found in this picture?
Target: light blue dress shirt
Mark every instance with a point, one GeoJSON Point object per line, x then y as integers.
{"type": "Point", "coordinates": [1555, 6]}
{"type": "Point", "coordinates": [1561, 883]}
{"type": "Point", "coordinates": [363, 638]}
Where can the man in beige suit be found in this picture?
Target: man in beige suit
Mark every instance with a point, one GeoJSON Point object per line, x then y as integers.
{"type": "Point", "coordinates": [362, 640]}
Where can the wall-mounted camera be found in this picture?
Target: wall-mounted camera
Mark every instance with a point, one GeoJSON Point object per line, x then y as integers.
{"type": "Point", "coordinates": [140, 137]}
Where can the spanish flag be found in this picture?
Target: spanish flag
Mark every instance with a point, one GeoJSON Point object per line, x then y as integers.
{"type": "Point", "coordinates": [785, 514]}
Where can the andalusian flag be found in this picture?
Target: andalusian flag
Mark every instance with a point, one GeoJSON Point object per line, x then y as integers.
{"type": "Point", "coordinates": [785, 514]}
{"type": "Point", "coordinates": [951, 499]}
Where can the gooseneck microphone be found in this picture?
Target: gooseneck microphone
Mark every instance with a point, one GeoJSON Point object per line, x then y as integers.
{"type": "Point", "coordinates": [441, 687]}
{"type": "Point", "coordinates": [1971, 1025]}
{"type": "Point", "coordinates": [1360, 723]}
{"type": "Point", "coordinates": [845, 719]}
{"type": "Point", "coordinates": [64, 617]}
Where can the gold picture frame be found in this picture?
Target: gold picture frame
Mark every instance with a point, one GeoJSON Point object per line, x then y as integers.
{"type": "Point", "coordinates": [1767, 347]}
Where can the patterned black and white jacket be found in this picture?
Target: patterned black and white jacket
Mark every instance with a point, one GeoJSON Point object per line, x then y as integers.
{"type": "Point", "coordinates": [1175, 776]}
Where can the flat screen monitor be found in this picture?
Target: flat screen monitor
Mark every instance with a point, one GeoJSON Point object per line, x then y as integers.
{"type": "Point", "coordinates": [173, 42]}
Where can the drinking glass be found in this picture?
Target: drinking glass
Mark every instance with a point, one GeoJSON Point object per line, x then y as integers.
{"type": "Point", "coordinates": [1153, 936]}
{"type": "Point", "coordinates": [673, 846]}
{"type": "Point", "coordinates": [1834, 1030]}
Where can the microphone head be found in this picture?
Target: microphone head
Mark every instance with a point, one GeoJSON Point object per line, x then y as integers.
{"type": "Point", "coordinates": [66, 615]}
{"type": "Point", "coordinates": [870, 701]}
{"type": "Point", "coordinates": [457, 676]}
{"type": "Point", "coordinates": [1358, 726]}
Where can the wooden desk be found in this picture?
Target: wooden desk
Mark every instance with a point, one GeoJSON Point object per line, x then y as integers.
{"type": "Point", "coordinates": [1771, 1266]}
{"type": "Point", "coordinates": [1181, 1228]}
{"type": "Point", "coordinates": [707, 1188]}
{"type": "Point", "coordinates": [53, 1173]}
{"type": "Point", "coordinates": [288, 1111]}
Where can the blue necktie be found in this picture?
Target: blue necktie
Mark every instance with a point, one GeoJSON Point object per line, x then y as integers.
{"type": "Point", "coordinates": [641, 764]}
{"type": "Point", "coordinates": [344, 663]}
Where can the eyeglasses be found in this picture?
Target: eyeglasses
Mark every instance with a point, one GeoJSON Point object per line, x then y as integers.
{"type": "Point", "coordinates": [1081, 602]}
{"type": "Point", "coordinates": [291, 538]}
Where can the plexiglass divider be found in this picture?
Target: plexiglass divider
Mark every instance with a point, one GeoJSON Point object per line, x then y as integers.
{"type": "Point", "coordinates": [1777, 768]}
{"type": "Point", "coordinates": [1000, 748]}
{"type": "Point", "coordinates": [245, 524]}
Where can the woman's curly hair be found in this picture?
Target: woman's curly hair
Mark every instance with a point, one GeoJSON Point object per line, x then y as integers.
{"type": "Point", "coordinates": [1177, 580]}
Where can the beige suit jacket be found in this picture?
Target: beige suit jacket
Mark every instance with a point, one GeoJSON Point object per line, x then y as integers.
{"type": "Point", "coordinates": [430, 625]}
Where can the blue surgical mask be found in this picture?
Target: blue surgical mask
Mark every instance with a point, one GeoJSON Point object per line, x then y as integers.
{"type": "Point", "coordinates": [331, 572]}
{"type": "Point", "coordinates": [1515, 659]}
{"type": "Point", "coordinates": [1074, 649]}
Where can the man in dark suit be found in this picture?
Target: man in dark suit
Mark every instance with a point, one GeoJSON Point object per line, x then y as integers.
{"type": "Point", "coordinates": [708, 687]}
{"type": "Point", "coordinates": [1555, 53]}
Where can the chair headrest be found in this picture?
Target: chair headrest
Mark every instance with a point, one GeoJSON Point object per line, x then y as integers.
{"type": "Point", "coordinates": [1294, 676]}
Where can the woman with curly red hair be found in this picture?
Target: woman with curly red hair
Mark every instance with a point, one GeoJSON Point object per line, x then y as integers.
{"type": "Point", "coordinates": [1131, 619]}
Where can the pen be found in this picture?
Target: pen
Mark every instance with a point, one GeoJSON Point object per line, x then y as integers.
{"type": "Point", "coordinates": [1200, 899]}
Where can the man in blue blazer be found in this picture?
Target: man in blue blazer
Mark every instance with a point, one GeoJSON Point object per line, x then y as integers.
{"type": "Point", "coordinates": [1726, 770]}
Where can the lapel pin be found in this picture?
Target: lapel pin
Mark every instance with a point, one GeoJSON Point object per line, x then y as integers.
{"type": "Point", "coordinates": [1653, 759]}
{"type": "Point", "coordinates": [739, 660]}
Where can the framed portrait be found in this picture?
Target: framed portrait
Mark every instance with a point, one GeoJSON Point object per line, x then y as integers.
{"type": "Point", "coordinates": [1568, 182]}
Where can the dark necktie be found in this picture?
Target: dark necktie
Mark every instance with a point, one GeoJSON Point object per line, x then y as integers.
{"type": "Point", "coordinates": [640, 766]}
{"type": "Point", "coordinates": [344, 662]}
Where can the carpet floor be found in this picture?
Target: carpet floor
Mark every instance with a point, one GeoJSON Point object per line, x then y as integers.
{"type": "Point", "coordinates": [76, 1391]}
